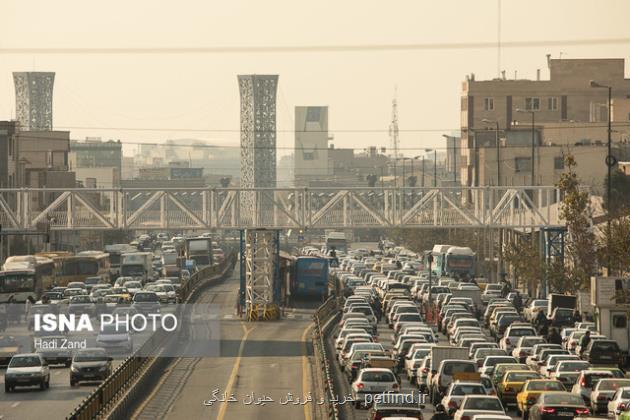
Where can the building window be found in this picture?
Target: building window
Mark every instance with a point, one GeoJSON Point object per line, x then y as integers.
{"type": "Point", "coordinates": [558, 162]}
{"type": "Point", "coordinates": [522, 164]}
{"type": "Point", "coordinates": [532, 104]}
{"type": "Point", "coordinates": [488, 104]}
{"type": "Point", "coordinates": [313, 114]}
{"type": "Point", "coordinates": [308, 155]}
{"type": "Point", "coordinates": [552, 104]}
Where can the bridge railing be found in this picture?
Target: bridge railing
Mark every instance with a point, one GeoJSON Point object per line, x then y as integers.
{"type": "Point", "coordinates": [280, 208]}
{"type": "Point", "coordinates": [109, 393]}
{"type": "Point", "coordinates": [324, 320]}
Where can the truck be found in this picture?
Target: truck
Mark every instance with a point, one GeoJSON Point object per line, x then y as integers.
{"type": "Point", "coordinates": [115, 251]}
{"type": "Point", "coordinates": [169, 265]}
{"type": "Point", "coordinates": [338, 241]}
{"type": "Point", "coordinates": [199, 249]}
{"type": "Point", "coordinates": [138, 265]}
{"type": "Point", "coordinates": [612, 315]}
{"type": "Point", "coordinates": [557, 300]}
{"type": "Point", "coordinates": [475, 295]}
{"type": "Point", "coordinates": [439, 353]}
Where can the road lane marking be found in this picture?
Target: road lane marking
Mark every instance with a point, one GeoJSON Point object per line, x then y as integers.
{"type": "Point", "coordinates": [237, 363]}
{"type": "Point", "coordinates": [15, 404]}
{"type": "Point", "coordinates": [306, 383]}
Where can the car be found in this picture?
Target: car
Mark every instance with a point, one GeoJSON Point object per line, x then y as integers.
{"type": "Point", "coordinates": [556, 404]}
{"type": "Point", "coordinates": [132, 286]}
{"type": "Point", "coordinates": [603, 392]}
{"type": "Point", "coordinates": [458, 390]}
{"type": "Point", "coordinates": [115, 338]}
{"type": "Point", "coordinates": [587, 380]}
{"type": "Point", "coordinates": [549, 364]}
{"type": "Point", "coordinates": [490, 417]}
{"type": "Point", "coordinates": [53, 349]}
{"type": "Point", "coordinates": [395, 411]}
{"type": "Point", "coordinates": [512, 335]}
{"type": "Point", "coordinates": [448, 371]}
{"type": "Point", "coordinates": [76, 284]}
{"type": "Point", "coordinates": [81, 304]}
{"type": "Point", "coordinates": [567, 371]}
{"type": "Point", "coordinates": [27, 369]}
{"type": "Point", "coordinates": [478, 404]}
{"type": "Point", "coordinates": [489, 363]}
{"type": "Point", "coordinates": [619, 402]}
{"type": "Point", "coordinates": [9, 347]}
{"type": "Point", "coordinates": [531, 311]}
{"type": "Point", "coordinates": [511, 383]}
{"type": "Point", "coordinates": [524, 347]}
{"type": "Point", "coordinates": [90, 364]}
{"type": "Point", "coordinates": [74, 291]}
{"type": "Point", "coordinates": [146, 302]}
{"type": "Point", "coordinates": [501, 368]}
{"type": "Point", "coordinates": [530, 391]}
{"type": "Point", "coordinates": [603, 352]}
{"type": "Point", "coordinates": [373, 381]}
{"type": "Point", "coordinates": [422, 374]}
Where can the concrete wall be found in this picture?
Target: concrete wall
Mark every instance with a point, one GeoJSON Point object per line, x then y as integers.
{"type": "Point", "coordinates": [105, 177]}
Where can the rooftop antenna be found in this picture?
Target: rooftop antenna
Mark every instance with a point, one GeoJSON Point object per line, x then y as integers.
{"type": "Point", "coordinates": [393, 126]}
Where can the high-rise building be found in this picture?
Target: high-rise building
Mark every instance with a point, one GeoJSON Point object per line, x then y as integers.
{"type": "Point", "coordinates": [311, 145]}
{"type": "Point", "coordinates": [33, 100]}
{"type": "Point", "coordinates": [258, 141]}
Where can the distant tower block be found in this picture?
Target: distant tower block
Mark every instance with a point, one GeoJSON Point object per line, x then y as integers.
{"type": "Point", "coordinates": [258, 144]}
{"type": "Point", "coordinates": [33, 100]}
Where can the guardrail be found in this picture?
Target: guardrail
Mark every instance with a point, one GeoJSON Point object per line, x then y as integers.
{"type": "Point", "coordinates": [324, 314]}
{"type": "Point", "coordinates": [108, 393]}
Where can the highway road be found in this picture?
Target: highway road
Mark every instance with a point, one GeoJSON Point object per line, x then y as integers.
{"type": "Point", "coordinates": [60, 399]}
{"type": "Point", "coordinates": [270, 358]}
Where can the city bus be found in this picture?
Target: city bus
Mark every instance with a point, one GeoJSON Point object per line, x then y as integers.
{"type": "Point", "coordinates": [115, 251]}
{"type": "Point", "coordinates": [310, 277]}
{"type": "Point", "coordinates": [83, 265]}
{"type": "Point", "coordinates": [21, 280]}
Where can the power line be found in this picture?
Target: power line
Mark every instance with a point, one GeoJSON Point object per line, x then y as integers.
{"type": "Point", "coordinates": [264, 49]}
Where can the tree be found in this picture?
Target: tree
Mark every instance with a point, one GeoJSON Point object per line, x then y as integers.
{"type": "Point", "coordinates": [580, 249]}
{"type": "Point", "coordinates": [614, 246]}
{"type": "Point", "coordinates": [619, 194]}
{"type": "Point", "coordinates": [524, 259]}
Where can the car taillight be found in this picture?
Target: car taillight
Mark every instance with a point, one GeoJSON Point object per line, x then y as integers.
{"type": "Point", "coordinates": [583, 382]}
{"type": "Point", "coordinates": [522, 354]}
{"type": "Point", "coordinates": [547, 410]}
{"type": "Point", "coordinates": [425, 370]}
{"type": "Point", "coordinates": [395, 386]}
{"type": "Point", "coordinates": [507, 341]}
{"type": "Point", "coordinates": [452, 404]}
{"type": "Point", "coordinates": [465, 417]}
{"type": "Point", "coordinates": [621, 406]}
{"type": "Point", "coordinates": [582, 411]}
{"type": "Point", "coordinates": [360, 386]}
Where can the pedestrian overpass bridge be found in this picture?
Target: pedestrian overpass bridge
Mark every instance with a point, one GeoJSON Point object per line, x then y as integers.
{"type": "Point", "coordinates": [24, 210]}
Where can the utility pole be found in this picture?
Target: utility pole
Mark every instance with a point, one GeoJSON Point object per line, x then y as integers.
{"type": "Point", "coordinates": [422, 171]}
{"type": "Point", "coordinates": [435, 168]}
{"type": "Point", "coordinates": [610, 162]}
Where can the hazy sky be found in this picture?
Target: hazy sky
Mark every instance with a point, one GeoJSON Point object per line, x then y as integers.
{"type": "Point", "coordinates": [178, 93]}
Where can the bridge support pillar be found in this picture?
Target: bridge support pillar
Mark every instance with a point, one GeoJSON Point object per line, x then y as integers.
{"type": "Point", "coordinates": [261, 249]}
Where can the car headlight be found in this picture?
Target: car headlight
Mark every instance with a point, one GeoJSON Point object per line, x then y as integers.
{"type": "Point", "coordinates": [74, 369]}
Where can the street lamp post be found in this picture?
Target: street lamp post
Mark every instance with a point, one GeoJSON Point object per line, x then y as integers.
{"type": "Point", "coordinates": [496, 137]}
{"type": "Point", "coordinates": [533, 142]}
{"type": "Point", "coordinates": [610, 162]}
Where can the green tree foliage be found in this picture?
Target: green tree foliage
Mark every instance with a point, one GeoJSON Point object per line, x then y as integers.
{"type": "Point", "coordinates": [580, 246]}
{"type": "Point", "coordinates": [615, 247]}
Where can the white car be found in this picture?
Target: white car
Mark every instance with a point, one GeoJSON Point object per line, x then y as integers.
{"type": "Point", "coordinates": [373, 381]}
{"type": "Point", "coordinates": [604, 391]}
{"type": "Point", "coordinates": [513, 333]}
{"type": "Point", "coordinates": [458, 390]}
{"type": "Point", "coordinates": [479, 404]}
{"type": "Point", "coordinates": [26, 369]}
{"type": "Point", "coordinates": [619, 402]}
{"type": "Point", "coordinates": [115, 338]}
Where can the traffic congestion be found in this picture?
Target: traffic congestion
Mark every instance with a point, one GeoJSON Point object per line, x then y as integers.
{"type": "Point", "coordinates": [43, 295]}
{"type": "Point", "coordinates": [465, 349]}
